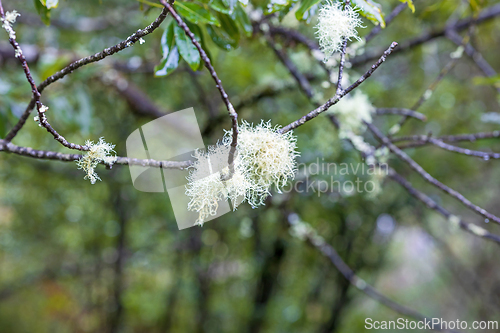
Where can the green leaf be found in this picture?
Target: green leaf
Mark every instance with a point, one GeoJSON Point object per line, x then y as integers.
{"type": "Point", "coordinates": [220, 6]}
{"type": "Point", "coordinates": [149, 3]}
{"type": "Point", "coordinates": [4, 123]}
{"type": "Point", "coordinates": [42, 11]}
{"type": "Point", "coordinates": [195, 13]}
{"type": "Point", "coordinates": [277, 7]}
{"type": "Point", "coordinates": [231, 4]}
{"type": "Point", "coordinates": [487, 81]}
{"type": "Point", "coordinates": [51, 4]}
{"type": "Point", "coordinates": [371, 10]}
{"type": "Point", "coordinates": [227, 36]}
{"type": "Point", "coordinates": [229, 26]}
{"type": "Point", "coordinates": [53, 65]}
{"type": "Point", "coordinates": [220, 38]}
{"type": "Point", "coordinates": [411, 5]}
{"type": "Point", "coordinates": [170, 59]}
{"type": "Point", "coordinates": [242, 20]}
{"type": "Point", "coordinates": [305, 5]}
{"type": "Point", "coordinates": [186, 48]}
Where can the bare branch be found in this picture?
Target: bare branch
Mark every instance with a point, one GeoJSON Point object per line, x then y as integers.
{"type": "Point", "coordinates": [341, 67]}
{"type": "Point", "coordinates": [9, 147]}
{"type": "Point", "coordinates": [329, 252]}
{"type": "Point", "coordinates": [422, 140]}
{"type": "Point", "coordinates": [487, 14]}
{"type": "Point", "coordinates": [464, 151]}
{"type": "Point", "coordinates": [304, 84]}
{"type": "Point", "coordinates": [342, 59]}
{"type": "Point", "coordinates": [469, 227]}
{"type": "Point", "coordinates": [218, 83]}
{"type": "Point", "coordinates": [42, 119]}
{"type": "Point", "coordinates": [377, 29]}
{"type": "Point", "coordinates": [82, 62]}
{"type": "Point", "coordinates": [336, 98]}
{"type": "Point", "coordinates": [415, 166]}
{"type": "Point", "coordinates": [401, 112]}
{"type": "Point", "coordinates": [477, 57]}
{"type": "Point", "coordinates": [294, 35]}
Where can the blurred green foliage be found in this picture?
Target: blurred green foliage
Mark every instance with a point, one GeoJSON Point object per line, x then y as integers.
{"type": "Point", "coordinates": [76, 257]}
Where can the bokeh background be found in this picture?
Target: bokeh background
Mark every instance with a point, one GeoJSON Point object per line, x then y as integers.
{"type": "Point", "coordinates": [76, 257]}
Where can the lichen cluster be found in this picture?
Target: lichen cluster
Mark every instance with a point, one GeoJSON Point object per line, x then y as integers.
{"type": "Point", "coordinates": [264, 158]}
{"type": "Point", "coordinates": [98, 152]}
{"type": "Point", "coordinates": [335, 25]}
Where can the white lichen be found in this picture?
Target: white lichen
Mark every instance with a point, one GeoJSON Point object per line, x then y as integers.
{"type": "Point", "coordinates": [98, 152]}
{"type": "Point", "coordinates": [491, 117]}
{"type": "Point", "coordinates": [8, 20]}
{"type": "Point", "coordinates": [335, 25]}
{"type": "Point", "coordinates": [267, 158]}
{"type": "Point", "coordinates": [206, 186]}
{"type": "Point", "coordinates": [264, 158]}
{"type": "Point", "coordinates": [303, 230]}
{"type": "Point", "coordinates": [394, 129]}
{"type": "Point", "coordinates": [352, 111]}
{"type": "Point", "coordinates": [457, 54]}
{"type": "Point", "coordinates": [377, 176]}
{"type": "Point", "coordinates": [358, 142]}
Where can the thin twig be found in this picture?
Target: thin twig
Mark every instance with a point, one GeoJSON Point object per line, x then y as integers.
{"type": "Point", "coordinates": [218, 83]}
{"type": "Point", "coordinates": [469, 227]}
{"type": "Point", "coordinates": [341, 68]}
{"type": "Point", "coordinates": [316, 241]}
{"type": "Point", "coordinates": [476, 56]}
{"type": "Point", "coordinates": [433, 86]}
{"type": "Point", "coordinates": [422, 140]}
{"type": "Point", "coordinates": [342, 58]}
{"type": "Point", "coordinates": [336, 98]}
{"type": "Point", "coordinates": [415, 166]}
{"type": "Point", "coordinates": [304, 84]}
{"type": "Point", "coordinates": [293, 35]}
{"type": "Point", "coordinates": [485, 15]}
{"type": "Point", "coordinates": [401, 112]}
{"type": "Point", "coordinates": [42, 119]}
{"type": "Point", "coordinates": [82, 62]}
{"type": "Point", "coordinates": [464, 151]}
{"type": "Point", "coordinates": [377, 29]}
{"type": "Point", "coordinates": [9, 147]}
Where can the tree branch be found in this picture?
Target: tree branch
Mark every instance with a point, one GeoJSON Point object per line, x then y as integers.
{"type": "Point", "coordinates": [485, 15]}
{"type": "Point", "coordinates": [415, 166]}
{"type": "Point", "coordinates": [422, 140]}
{"type": "Point", "coordinates": [218, 83]}
{"type": "Point", "coordinates": [304, 84]}
{"type": "Point", "coordinates": [401, 112]}
{"type": "Point", "coordinates": [305, 231]}
{"type": "Point", "coordinates": [377, 29]}
{"type": "Point", "coordinates": [82, 62]}
{"type": "Point", "coordinates": [454, 220]}
{"type": "Point", "coordinates": [9, 147]}
{"type": "Point", "coordinates": [336, 98]}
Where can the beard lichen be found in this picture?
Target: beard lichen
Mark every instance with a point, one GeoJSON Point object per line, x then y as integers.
{"type": "Point", "coordinates": [97, 153]}
{"type": "Point", "coordinates": [264, 158]}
